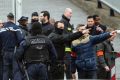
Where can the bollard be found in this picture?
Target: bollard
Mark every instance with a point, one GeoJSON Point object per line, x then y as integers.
{"type": "Point", "coordinates": [99, 4]}
{"type": "Point", "coordinates": [112, 12]}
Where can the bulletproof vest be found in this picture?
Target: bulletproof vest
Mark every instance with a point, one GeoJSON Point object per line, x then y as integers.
{"type": "Point", "coordinates": [37, 50]}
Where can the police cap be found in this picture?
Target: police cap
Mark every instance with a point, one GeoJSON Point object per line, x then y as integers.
{"type": "Point", "coordinates": [23, 18]}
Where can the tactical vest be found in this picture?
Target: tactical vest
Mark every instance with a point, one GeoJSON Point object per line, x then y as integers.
{"type": "Point", "coordinates": [37, 50]}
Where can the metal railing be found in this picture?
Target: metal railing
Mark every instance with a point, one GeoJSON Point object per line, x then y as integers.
{"type": "Point", "coordinates": [110, 3]}
{"type": "Point", "coordinates": [113, 8]}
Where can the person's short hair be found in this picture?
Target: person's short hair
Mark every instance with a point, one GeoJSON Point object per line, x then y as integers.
{"type": "Point", "coordinates": [56, 23]}
{"type": "Point", "coordinates": [46, 13]}
{"type": "Point", "coordinates": [79, 25]}
{"type": "Point", "coordinates": [94, 16]}
{"type": "Point", "coordinates": [89, 17]}
{"type": "Point", "coordinates": [10, 16]}
{"type": "Point", "coordinates": [34, 14]}
{"type": "Point", "coordinates": [36, 28]}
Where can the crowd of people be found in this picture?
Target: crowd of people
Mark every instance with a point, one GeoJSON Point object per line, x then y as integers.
{"type": "Point", "coordinates": [45, 49]}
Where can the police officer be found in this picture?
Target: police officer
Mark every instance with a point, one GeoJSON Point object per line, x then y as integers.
{"type": "Point", "coordinates": [59, 39]}
{"type": "Point", "coordinates": [1, 63]}
{"type": "Point", "coordinates": [38, 50]}
{"type": "Point", "coordinates": [10, 37]}
{"type": "Point", "coordinates": [23, 21]}
{"type": "Point", "coordinates": [47, 27]}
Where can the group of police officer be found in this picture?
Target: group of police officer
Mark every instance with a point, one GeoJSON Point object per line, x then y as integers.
{"type": "Point", "coordinates": [40, 50]}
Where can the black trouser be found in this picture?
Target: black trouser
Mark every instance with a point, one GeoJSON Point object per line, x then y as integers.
{"type": "Point", "coordinates": [102, 74]}
{"type": "Point", "coordinates": [57, 71]}
{"type": "Point", "coordinates": [68, 65]}
{"type": "Point", "coordinates": [73, 65]}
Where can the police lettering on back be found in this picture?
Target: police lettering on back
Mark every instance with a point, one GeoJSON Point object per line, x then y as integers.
{"type": "Point", "coordinates": [36, 41]}
{"type": "Point", "coordinates": [35, 50]}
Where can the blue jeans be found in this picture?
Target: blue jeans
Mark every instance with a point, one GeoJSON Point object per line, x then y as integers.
{"type": "Point", "coordinates": [37, 71]}
{"type": "Point", "coordinates": [10, 67]}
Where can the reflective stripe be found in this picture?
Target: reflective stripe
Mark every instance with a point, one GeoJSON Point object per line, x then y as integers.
{"type": "Point", "coordinates": [68, 49]}
{"type": "Point", "coordinates": [69, 29]}
{"type": "Point", "coordinates": [9, 28]}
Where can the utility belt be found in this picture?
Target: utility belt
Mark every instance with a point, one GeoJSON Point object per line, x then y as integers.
{"type": "Point", "coordinates": [36, 62]}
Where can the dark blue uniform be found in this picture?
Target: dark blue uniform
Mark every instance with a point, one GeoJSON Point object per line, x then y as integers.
{"type": "Point", "coordinates": [38, 51]}
{"type": "Point", "coordinates": [8, 42]}
{"type": "Point", "coordinates": [1, 64]}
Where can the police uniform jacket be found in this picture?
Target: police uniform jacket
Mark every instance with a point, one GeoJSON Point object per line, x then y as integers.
{"type": "Point", "coordinates": [10, 35]}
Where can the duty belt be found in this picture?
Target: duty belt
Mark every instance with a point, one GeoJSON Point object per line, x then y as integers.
{"type": "Point", "coordinates": [35, 62]}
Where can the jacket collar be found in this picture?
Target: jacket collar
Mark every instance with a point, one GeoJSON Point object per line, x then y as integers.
{"type": "Point", "coordinates": [82, 39]}
{"type": "Point", "coordinates": [64, 17]}
{"type": "Point", "coordinates": [23, 27]}
{"type": "Point", "coordinates": [44, 24]}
